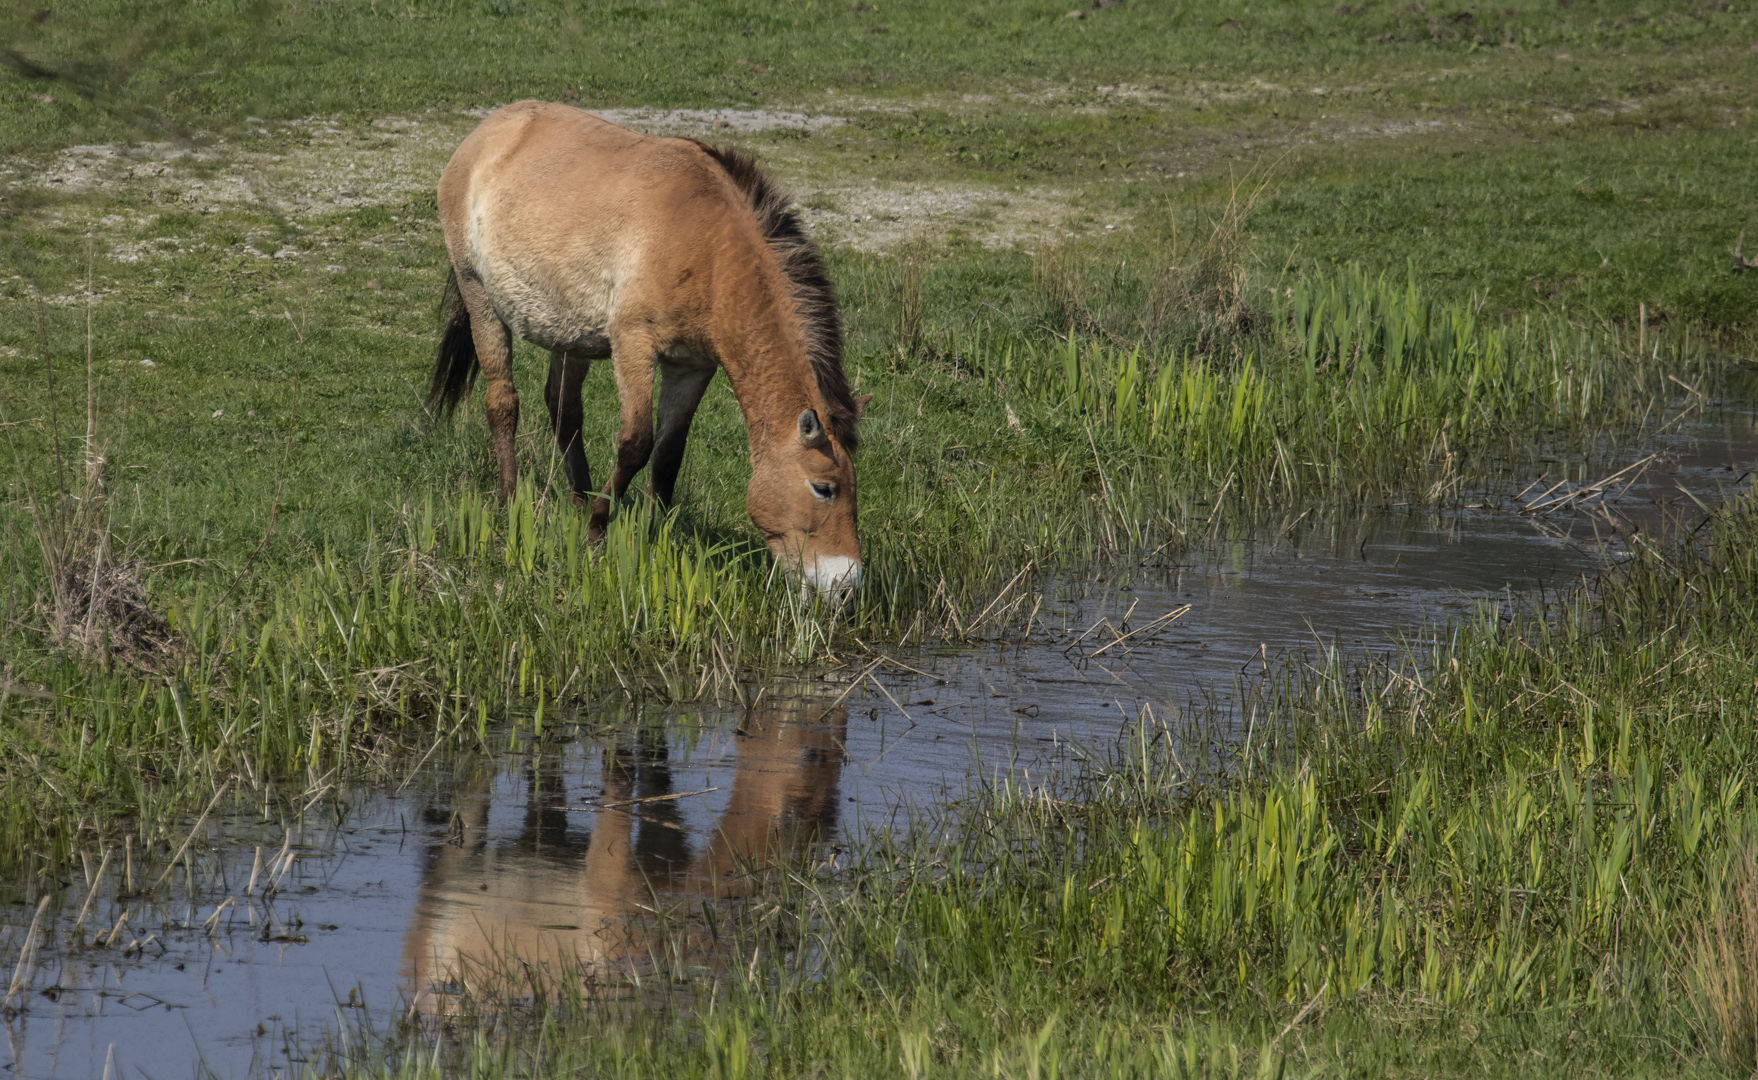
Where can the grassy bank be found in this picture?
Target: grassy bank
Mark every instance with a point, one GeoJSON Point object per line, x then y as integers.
{"type": "Point", "coordinates": [1528, 849]}
{"type": "Point", "coordinates": [441, 616]}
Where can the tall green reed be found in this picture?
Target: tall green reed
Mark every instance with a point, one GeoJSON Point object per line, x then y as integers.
{"type": "Point", "coordinates": [1358, 383]}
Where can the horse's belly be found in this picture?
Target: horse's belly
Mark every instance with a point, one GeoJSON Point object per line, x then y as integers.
{"type": "Point", "coordinates": [578, 322]}
{"type": "Point", "coordinates": [559, 330]}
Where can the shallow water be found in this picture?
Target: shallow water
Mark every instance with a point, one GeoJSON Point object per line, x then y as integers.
{"type": "Point", "coordinates": [483, 877]}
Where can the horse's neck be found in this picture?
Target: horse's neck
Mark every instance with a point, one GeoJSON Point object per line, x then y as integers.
{"type": "Point", "coordinates": [760, 342]}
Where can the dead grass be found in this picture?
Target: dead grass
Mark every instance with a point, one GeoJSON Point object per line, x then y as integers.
{"type": "Point", "coordinates": [1724, 966]}
{"type": "Point", "coordinates": [909, 328]}
{"type": "Point", "coordinates": [1208, 290]}
{"type": "Point", "coordinates": [1195, 297]}
{"type": "Point", "coordinates": [96, 603]}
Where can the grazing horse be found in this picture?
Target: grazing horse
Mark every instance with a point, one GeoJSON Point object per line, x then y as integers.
{"type": "Point", "coordinates": [663, 255]}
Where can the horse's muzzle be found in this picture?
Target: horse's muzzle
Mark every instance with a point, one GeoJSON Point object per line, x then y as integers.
{"type": "Point", "coordinates": [834, 576]}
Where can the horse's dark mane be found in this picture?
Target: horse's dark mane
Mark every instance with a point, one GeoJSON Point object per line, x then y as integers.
{"type": "Point", "coordinates": [813, 296]}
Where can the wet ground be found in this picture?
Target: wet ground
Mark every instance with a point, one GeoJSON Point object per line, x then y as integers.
{"type": "Point", "coordinates": [492, 878]}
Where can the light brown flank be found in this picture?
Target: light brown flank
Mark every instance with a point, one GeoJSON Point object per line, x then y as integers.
{"type": "Point", "coordinates": [664, 255]}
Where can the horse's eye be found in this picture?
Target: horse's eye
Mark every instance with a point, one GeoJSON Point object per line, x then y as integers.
{"type": "Point", "coordinates": [826, 492]}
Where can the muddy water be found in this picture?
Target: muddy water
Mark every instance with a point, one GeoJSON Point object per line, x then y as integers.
{"type": "Point", "coordinates": [485, 879]}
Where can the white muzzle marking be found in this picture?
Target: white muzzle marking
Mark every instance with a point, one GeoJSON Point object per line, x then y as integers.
{"type": "Point", "coordinates": [833, 573]}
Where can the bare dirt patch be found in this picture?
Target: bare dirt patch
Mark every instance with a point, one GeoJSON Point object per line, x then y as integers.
{"type": "Point", "coordinates": [303, 168]}
{"type": "Point", "coordinates": [880, 218]}
{"type": "Point", "coordinates": [306, 169]}
{"type": "Point", "coordinates": [710, 123]}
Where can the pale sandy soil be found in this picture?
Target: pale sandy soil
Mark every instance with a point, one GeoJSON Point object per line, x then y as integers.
{"type": "Point", "coordinates": [321, 167]}
{"type": "Point", "coordinates": [303, 170]}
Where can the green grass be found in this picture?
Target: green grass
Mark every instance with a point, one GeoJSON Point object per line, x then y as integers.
{"type": "Point", "coordinates": [1366, 386]}
{"type": "Point", "coordinates": [203, 62]}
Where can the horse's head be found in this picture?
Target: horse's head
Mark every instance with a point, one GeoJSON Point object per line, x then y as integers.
{"type": "Point", "coordinates": [802, 499]}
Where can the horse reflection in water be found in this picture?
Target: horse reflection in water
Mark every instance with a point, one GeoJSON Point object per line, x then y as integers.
{"type": "Point", "coordinates": [504, 911]}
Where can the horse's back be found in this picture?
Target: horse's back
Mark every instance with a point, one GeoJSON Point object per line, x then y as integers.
{"type": "Point", "coordinates": [555, 210]}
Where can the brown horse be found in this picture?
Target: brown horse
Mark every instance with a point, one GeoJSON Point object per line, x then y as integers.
{"type": "Point", "coordinates": [594, 241]}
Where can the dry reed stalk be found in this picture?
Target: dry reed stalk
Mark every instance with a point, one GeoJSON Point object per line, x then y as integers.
{"type": "Point", "coordinates": [1544, 503]}
{"type": "Point", "coordinates": [1159, 623]}
{"type": "Point", "coordinates": [172, 865]}
{"type": "Point", "coordinates": [96, 603]}
{"type": "Point", "coordinates": [1743, 261]}
{"type": "Point", "coordinates": [1724, 966]}
{"type": "Point", "coordinates": [1210, 290]}
{"type": "Point", "coordinates": [115, 932]}
{"type": "Point", "coordinates": [92, 892]}
{"type": "Point", "coordinates": [894, 701]}
{"type": "Point", "coordinates": [849, 689]}
{"type": "Point", "coordinates": [282, 863]}
{"type": "Point", "coordinates": [27, 956]}
{"type": "Point", "coordinates": [1055, 283]}
{"type": "Point", "coordinates": [909, 328]}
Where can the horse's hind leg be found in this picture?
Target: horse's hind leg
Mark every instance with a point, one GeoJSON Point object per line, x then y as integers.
{"type": "Point", "coordinates": [494, 351]}
{"type": "Point", "coordinates": [562, 394]}
{"type": "Point", "coordinates": [632, 357]}
{"type": "Point", "coordinates": [679, 394]}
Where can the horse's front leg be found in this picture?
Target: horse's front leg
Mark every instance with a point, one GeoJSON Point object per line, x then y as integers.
{"type": "Point", "coordinates": [679, 394]}
{"type": "Point", "coordinates": [632, 359]}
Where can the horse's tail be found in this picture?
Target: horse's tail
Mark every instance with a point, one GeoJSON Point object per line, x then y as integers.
{"type": "Point", "coordinates": [454, 369]}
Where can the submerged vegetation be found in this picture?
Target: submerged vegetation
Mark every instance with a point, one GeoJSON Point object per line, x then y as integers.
{"type": "Point", "coordinates": [1486, 238]}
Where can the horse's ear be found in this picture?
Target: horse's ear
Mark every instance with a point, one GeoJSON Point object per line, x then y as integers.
{"type": "Point", "coordinates": [861, 404]}
{"type": "Point", "coordinates": [811, 430]}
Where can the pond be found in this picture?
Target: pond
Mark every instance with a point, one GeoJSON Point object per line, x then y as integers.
{"type": "Point", "coordinates": [551, 863]}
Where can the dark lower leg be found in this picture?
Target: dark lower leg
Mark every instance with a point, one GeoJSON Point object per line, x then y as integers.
{"type": "Point", "coordinates": [668, 458]}
{"type": "Point", "coordinates": [562, 394]}
{"type": "Point", "coordinates": [678, 397]}
{"type": "Point", "coordinates": [633, 357]}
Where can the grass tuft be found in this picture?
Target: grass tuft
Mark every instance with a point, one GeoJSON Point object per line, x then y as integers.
{"type": "Point", "coordinates": [1724, 967]}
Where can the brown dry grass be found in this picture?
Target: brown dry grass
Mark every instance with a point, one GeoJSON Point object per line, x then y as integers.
{"type": "Point", "coordinates": [1724, 968]}
{"type": "Point", "coordinates": [96, 602]}
{"type": "Point", "coordinates": [909, 327]}
{"type": "Point", "coordinates": [1195, 297]}
{"type": "Point", "coordinates": [1209, 289]}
